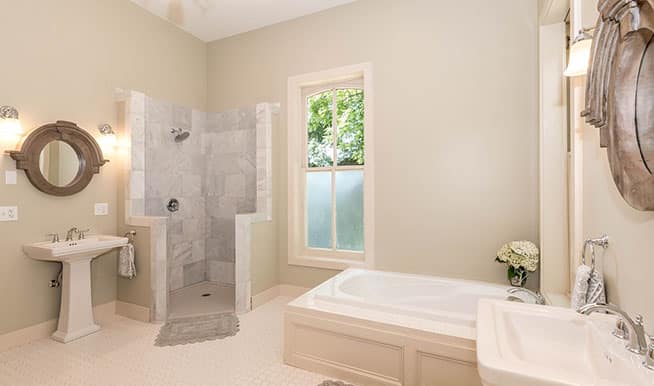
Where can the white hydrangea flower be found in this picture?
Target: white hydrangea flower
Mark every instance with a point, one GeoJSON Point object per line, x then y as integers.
{"type": "Point", "coordinates": [518, 254]}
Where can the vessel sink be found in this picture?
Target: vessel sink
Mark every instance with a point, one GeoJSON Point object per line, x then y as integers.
{"type": "Point", "coordinates": [90, 247]}
{"type": "Point", "coordinates": [525, 344]}
{"type": "Point", "coordinates": [76, 311]}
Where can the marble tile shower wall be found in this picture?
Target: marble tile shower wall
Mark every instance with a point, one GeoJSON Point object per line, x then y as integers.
{"type": "Point", "coordinates": [230, 184]}
{"type": "Point", "coordinates": [212, 174]}
{"type": "Point", "coordinates": [175, 170]}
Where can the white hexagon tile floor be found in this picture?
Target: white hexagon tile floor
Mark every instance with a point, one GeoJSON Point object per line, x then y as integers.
{"type": "Point", "coordinates": [123, 353]}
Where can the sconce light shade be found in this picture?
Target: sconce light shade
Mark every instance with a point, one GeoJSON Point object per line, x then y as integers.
{"type": "Point", "coordinates": [9, 123]}
{"type": "Point", "coordinates": [108, 139]}
{"type": "Point", "coordinates": [10, 128]}
{"type": "Point", "coordinates": [579, 55]}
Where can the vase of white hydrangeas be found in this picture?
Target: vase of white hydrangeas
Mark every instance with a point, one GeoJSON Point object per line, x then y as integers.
{"type": "Point", "coordinates": [521, 258]}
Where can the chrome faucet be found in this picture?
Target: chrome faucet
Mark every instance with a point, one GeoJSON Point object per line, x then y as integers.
{"type": "Point", "coordinates": [69, 234]}
{"type": "Point", "coordinates": [81, 234]}
{"type": "Point", "coordinates": [540, 299]}
{"type": "Point", "coordinates": [636, 336]}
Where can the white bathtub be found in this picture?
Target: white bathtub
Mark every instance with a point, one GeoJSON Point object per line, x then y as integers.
{"type": "Point", "coordinates": [386, 328]}
{"type": "Point", "coordinates": [427, 297]}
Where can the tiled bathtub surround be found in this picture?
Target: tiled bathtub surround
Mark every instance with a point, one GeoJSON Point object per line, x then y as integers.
{"type": "Point", "coordinates": [223, 170]}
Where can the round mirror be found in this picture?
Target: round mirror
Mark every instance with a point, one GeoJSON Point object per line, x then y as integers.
{"type": "Point", "coordinates": [59, 163]}
{"type": "Point", "coordinates": [644, 108]}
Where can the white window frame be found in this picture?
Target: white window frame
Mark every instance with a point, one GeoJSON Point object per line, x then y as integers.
{"type": "Point", "coordinates": [298, 87]}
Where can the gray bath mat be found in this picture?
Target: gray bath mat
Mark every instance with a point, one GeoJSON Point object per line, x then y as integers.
{"type": "Point", "coordinates": [334, 383]}
{"type": "Point", "coordinates": [197, 329]}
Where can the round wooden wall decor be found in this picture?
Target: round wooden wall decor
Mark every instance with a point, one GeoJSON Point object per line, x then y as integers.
{"type": "Point", "coordinates": [620, 95]}
{"type": "Point", "coordinates": [59, 158]}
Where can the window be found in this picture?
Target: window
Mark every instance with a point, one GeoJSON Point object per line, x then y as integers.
{"type": "Point", "coordinates": [330, 169]}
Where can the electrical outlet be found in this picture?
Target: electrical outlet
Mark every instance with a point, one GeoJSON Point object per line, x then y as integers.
{"type": "Point", "coordinates": [11, 177]}
{"type": "Point", "coordinates": [8, 213]}
{"type": "Point", "coordinates": [102, 209]}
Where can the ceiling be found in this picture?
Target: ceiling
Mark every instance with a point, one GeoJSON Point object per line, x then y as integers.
{"type": "Point", "coordinates": [216, 19]}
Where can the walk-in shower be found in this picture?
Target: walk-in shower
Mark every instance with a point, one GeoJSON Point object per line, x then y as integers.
{"type": "Point", "coordinates": [199, 187]}
{"type": "Point", "coordinates": [199, 197]}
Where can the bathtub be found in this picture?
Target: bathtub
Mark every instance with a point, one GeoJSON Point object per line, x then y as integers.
{"type": "Point", "coordinates": [386, 328]}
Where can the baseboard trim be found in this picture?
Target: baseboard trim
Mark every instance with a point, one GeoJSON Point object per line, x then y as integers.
{"type": "Point", "coordinates": [279, 290]}
{"type": "Point", "coordinates": [46, 329]}
{"type": "Point", "coordinates": [292, 290]}
{"type": "Point", "coordinates": [264, 297]}
{"type": "Point", "coordinates": [133, 311]}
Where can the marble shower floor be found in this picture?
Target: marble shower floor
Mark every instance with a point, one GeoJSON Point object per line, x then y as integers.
{"type": "Point", "coordinates": [189, 301]}
{"type": "Point", "coordinates": [123, 353]}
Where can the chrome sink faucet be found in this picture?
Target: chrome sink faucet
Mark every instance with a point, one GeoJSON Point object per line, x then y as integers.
{"type": "Point", "coordinates": [540, 299]}
{"type": "Point", "coordinates": [636, 336]}
{"type": "Point", "coordinates": [69, 234]}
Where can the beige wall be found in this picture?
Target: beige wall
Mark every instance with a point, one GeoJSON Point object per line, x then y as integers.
{"type": "Point", "coordinates": [456, 112]}
{"type": "Point", "coordinates": [628, 263]}
{"type": "Point", "coordinates": [137, 290]}
{"type": "Point", "coordinates": [456, 124]}
{"type": "Point", "coordinates": [62, 60]}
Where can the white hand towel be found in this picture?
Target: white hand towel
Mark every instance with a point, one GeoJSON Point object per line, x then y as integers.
{"type": "Point", "coordinates": [596, 291]}
{"type": "Point", "coordinates": [126, 265]}
{"type": "Point", "coordinates": [580, 291]}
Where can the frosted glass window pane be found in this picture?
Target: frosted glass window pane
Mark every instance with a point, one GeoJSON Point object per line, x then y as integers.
{"type": "Point", "coordinates": [319, 210]}
{"type": "Point", "coordinates": [320, 133]}
{"type": "Point", "coordinates": [349, 210]}
{"type": "Point", "coordinates": [349, 118]}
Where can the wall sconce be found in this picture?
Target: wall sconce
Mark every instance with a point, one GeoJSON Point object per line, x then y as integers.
{"type": "Point", "coordinates": [108, 139]}
{"type": "Point", "coordinates": [10, 129]}
{"type": "Point", "coordinates": [579, 54]}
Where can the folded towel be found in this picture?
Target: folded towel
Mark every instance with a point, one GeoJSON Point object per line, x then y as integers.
{"type": "Point", "coordinates": [596, 290]}
{"type": "Point", "coordinates": [580, 290]}
{"type": "Point", "coordinates": [126, 265]}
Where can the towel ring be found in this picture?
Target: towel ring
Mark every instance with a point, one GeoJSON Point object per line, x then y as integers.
{"type": "Point", "coordinates": [602, 242]}
{"type": "Point", "coordinates": [130, 236]}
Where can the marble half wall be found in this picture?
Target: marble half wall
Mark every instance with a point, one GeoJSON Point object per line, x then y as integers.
{"type": "Point", "coordinates": [131, 117]}
{"type": "Point", "coordinates": [264, 188]}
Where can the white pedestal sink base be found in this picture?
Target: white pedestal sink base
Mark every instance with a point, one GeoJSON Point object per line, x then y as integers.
{"type": "Point", "coordinates": [76, 312]}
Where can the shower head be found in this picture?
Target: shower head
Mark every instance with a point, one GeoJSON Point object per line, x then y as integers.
{"type": "Point", "coordinates": [180, 135]}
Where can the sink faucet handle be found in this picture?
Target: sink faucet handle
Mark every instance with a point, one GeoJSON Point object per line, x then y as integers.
{"type": "Point", "coordinates": [81, 234]}
{"type": "Point", "coordinates": [621, 331]}
{"type": "Point", "coordinates": [55, 237]}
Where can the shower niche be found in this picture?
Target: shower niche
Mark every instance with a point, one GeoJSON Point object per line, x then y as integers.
{"type": "Point", "coordinates": [199, 174]}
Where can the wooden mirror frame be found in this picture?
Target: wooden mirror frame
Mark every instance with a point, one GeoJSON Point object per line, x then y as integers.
{"type": "Point", "coordinates": [87, 149]}
{"type": "Point", "coordinates": [620, 43]}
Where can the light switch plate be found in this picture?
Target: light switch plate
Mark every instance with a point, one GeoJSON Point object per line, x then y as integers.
{"type": "Point", "coordinates": [102, 209]}
{"type": "Point", "coordinates": [11, 177]}
{"type": "Point", "coordinates": [8, 213]}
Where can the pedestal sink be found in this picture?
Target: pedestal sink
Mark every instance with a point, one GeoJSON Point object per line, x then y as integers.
{"type": "Point", "coordinates": [76, 312]}
{"type": "Point", "coordinates": [524, 344]}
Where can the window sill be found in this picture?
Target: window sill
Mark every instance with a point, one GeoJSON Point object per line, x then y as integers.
{"type": "Point", "coordinates": [326, 262]}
